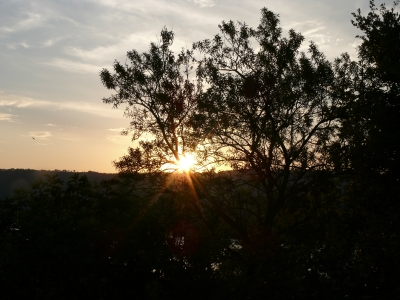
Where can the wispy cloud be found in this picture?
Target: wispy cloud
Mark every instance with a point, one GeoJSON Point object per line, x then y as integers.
{"type": "Point", "coordinates": [51, 125]}
{"type": "Point", "coordinates": [7, 117]}
{"type": "Point", "coordinates": [311, 31]}
{"type": "Point", "coordinates": [18, 101]}
{"type": "Point", "coordinates": [73, 66]}
{"type": "Point", "coordinates": [117, 129]}
{"type": "Point", "coordinates": [32, 20]}
{"type": "Point", "coordinates": [111, 3]}
{"type": "Point", "coordinates": [100, 56]}
{"type": "Point", "coordinates": [203, 3]}
{"type": "Point", "coordinates": [41, 135]}
{"type": "Point", "coordinates": [119, 139]}
{"type": "Point", "coordinates": [51, 42]}
{"type": "Point", "coordinates": [14, 46]}
{"type": "Point", "coordinates": [96, 54]}
{"type": "Point", "coordinates": [316, 31]}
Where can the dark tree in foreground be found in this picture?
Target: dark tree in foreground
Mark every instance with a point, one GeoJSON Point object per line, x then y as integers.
{"type": "Point", "coordinates": [370, 144]}
{"type": "Point", "coordinates": [271, 110]}
{"type": "Point", "coordinates": [372, 127]}
{"type": "Point", "coordinates": [63, 242]}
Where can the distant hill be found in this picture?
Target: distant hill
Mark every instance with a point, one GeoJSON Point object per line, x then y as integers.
{"type": "Point", "coordinates": [11, 179]}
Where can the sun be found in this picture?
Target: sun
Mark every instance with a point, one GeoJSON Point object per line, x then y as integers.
{"type": "Point", "coordinates": [186, 162]}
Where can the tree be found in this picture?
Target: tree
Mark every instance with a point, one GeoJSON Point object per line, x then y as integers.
{"type": "Point", "coordinates": [271, 111]}
{"type": "Point", "coordinates": [274, 110]}
{"type": "Point", "coordinates": [160, 99]}
{"type": "Point", "coordinates": [369, 141]}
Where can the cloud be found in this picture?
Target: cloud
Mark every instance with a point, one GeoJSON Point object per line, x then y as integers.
{"type": "Point", "coordinates": [7, 117]}
{"type": "Point", "coordinates": [112, 3]}
{"type": "Point", "coordinates": [20, 101]}
{"type": "Point", "coordinates": [51, 125]}
{"type": "Point", "coordinates": [99, 57]}
{"type": "Point", "coordinates": [99, 109]}
{"type": "Point", "coordinates": [117, 129]}
{"type": "Point", "coordinates": [203, 3]}
{"type": "Point", "coordinates": [96, 109]}
{"type": "Point", "coordinates": [14, 46]}
{"type": "Point", "coordinates": [316, 31]}
{"type": "Point", "coordinates": [96, 54]}
{"type": "Point", "coordinates": [119, 139]}
{"type": "Point", "coordinates": [41, 135]}
{"type": "Point", "coordinates": [33, 20]}
{"type": "Point", "coordinates": [355, 44]}
{"type": "Point", "coordinates": [51, 42]}
{"type": "Point", "coordinates": [311, 31]}
{"type": "Point", "coordinates": [73, 66]}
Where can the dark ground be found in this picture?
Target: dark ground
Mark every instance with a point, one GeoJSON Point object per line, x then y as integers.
{"type": "Point", "coordinates": [11, 179]}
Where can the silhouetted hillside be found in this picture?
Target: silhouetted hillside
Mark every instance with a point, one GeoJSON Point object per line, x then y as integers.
{"type": "Point", "coordinates": [11, 179]}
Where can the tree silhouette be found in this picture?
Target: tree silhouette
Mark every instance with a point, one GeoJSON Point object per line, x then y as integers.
{"type": "Point", "coordinates": [369, 143]}
{"type": "Point", "coordinates": [273, 110]}
{"type": "Point", "coordinates": [160, 99]}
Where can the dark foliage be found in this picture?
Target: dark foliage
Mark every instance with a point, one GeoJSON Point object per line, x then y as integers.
{"type": "Point", "coordinates": [12, 179]}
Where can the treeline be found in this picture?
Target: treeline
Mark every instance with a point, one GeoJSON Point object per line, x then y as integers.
{"type": "Point", "coordinates": [309, 210]}
{"type": "Point", "coordinates": [12, 179]}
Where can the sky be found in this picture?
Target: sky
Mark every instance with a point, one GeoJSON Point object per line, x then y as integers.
{"type": "Point", "coordinates": [51, 53]}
